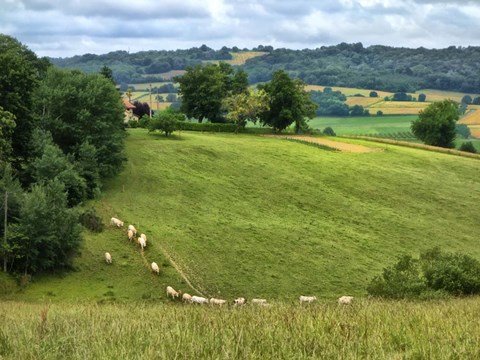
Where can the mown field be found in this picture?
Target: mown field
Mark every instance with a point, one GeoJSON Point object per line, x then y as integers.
{"type": "Point", "coordinates": [363, 125]}
{"type": "Point", "coordinates": [370, 329]}
{"type": "Point", "coordinates": [250, 216]}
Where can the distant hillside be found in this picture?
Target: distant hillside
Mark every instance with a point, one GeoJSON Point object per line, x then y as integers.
{"type": "Point", "coordinates": [348, 65]}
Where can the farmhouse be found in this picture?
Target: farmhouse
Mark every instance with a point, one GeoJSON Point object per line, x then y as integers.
{"type": "Point", "coordinates": [129, 115]}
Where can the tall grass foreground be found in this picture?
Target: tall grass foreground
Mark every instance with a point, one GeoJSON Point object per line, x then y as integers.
{"type": "Point", "coordinates": [368, 329]}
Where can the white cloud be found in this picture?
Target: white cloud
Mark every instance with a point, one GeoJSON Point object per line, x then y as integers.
{"type": "Point", "coordinates": [66, 28]}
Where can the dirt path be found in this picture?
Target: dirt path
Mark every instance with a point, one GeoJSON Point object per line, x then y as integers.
{"type": "Point", "coordinates": [180, 271]}
{"type": "Point", "coordinates": [337, 145]}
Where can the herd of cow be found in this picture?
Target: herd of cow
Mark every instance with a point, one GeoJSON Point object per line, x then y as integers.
{"type": "Point", "coordinates": [187, 298]}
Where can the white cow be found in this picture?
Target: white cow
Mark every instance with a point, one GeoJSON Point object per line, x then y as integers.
{"type": "Point", "coordinates": [307, 299]}
{"type": "Point", "coordinates": [259, 301]}
{"type": "Point", "coordinates": [155, 268]}
{"type": "Point", "coordinates": [108, 258]}
{"type": "Point", "coordinates": [239, 301]}
{"type": "Point", "coordinates": [130, 234]}
{"type": "Point", "coordinates": [171, 292]}
{"type": "Point", "coordinates": [142, 243]}
{"type": "Point", "coordinates": [116, 222]}
{"type": "Point", "coordinates": [199, 300]}
{"type": "Point", "coordinates": [345, 300]}
{"type": "Point", "coordinates": [131, 227]}
{"type": "Point", "coordinates": [187, 298]}
{"type": "Point", "coordinates": [144, 237]}
{"type": "Point", "coordinates": [219, 302]}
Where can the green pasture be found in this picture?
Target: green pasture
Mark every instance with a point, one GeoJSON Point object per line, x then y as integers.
{"type": "Point", "coordinates": [364, 125]}
{"type": "Point", "coordinates": [245, 215]}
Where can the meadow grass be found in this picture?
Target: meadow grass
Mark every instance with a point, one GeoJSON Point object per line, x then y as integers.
{"type": "Point", "coordinates": [369, 329]}
{"type": "Point", "coordinates": [245, 215]}
{"type": "Point", "coordinates": [363, 125]}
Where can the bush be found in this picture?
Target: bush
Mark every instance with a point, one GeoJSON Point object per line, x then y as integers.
{"type": "Point", "coordinates": [211, 127]}
{"type": "Point", "coordinates": [468, 147]}
{"type": "Point", "coordinates": [373, 94]}
{"type": "Point", "coordinates": [379, 113]}
{"type": "Point", "coordinates": [329, 131]}
{"type": "Point", "coordinates": [434, 275]}
{"type": "Point", "coordinates": [144, 122]}
{"type": "Point", "coordinates": [401, 280]}
{"type": "Point", "coordinates": [90, 220]}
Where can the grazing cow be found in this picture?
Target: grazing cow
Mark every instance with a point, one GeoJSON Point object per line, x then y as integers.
{"type": "Point", "coordinates": [345, 300]}
{"type": "Point", "coordinates": [144, 237]}
{"type": "Point", "coordinates": [258, 301]}
{"type": "Point", "coordinates": [239, 301]}
{"type": "Point", "coordinates": [131, 227]}
{"type": "Point", "coordinates": [155, 268]}
{"type": "Point", "coordinates": [130, 234]}
{"type": "Point", "coordinates": [307, 299]}
{"type": "Point", "coordinates": [219, 302]}
{"type": "Point", "coordinates": [187, 298]}
{"type": "Point", "coordinates": [108, 258]}
{"type": "Point", "coordinates": [171, 292]}
{"type": "Point", "coordinates": [142, 243]}
{"type": "Point", "coordinates": [199, 300]}
{"type": "Point", "coordinates": [116, 222]}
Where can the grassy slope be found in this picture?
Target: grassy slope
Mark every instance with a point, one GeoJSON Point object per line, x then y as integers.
{"type": "Point", "coordinates": [253, 216]}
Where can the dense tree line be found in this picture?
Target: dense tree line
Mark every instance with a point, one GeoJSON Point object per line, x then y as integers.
{"type": "Point", "coordinates": [352, 65]}
{"type": "Point", "coordinates": [61, 133]}
{"type": "Point", "coordinates": [375, 67]}
{"type": "Point", "coordinates": [142, 66]}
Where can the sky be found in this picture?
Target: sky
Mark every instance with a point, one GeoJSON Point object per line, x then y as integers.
{"type": "Point", "coordinates": [63, 28]}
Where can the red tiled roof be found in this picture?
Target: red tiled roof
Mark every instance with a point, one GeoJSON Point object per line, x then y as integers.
{"type": "Point", "coordinates": [128, 105]}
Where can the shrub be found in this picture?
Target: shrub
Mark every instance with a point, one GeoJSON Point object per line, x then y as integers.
{"type": "Point", "coordinates": [468, 147]}
{"type": "Point", "coordinates": [457, 274]}
{"type": "Point", "coordinates": [91, 220]}
{"type": "Point", "coordinates": [329, 131]}
{"type": "Point", "coordinates": [379, 113]}
{"type": "Point", "coordinates": [144, 122]}
{"type": "Point", "coordinates": [401, 280]}
{"type": "Point", "coordinates": [373, 94]}
{"type": "Point", "coordinates": [211, 127]}
{"type": "Point", "coordinates": [434, 275]}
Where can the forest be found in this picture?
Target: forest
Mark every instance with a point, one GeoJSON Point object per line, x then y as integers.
{"type": "Point", "coordinates": [349, 65]}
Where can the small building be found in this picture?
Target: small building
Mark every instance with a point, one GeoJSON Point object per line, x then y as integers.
{"type": "Point", "coordinates": [129, 115]}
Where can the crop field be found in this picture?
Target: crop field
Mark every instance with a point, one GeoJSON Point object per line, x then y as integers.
{"type": "Point", "coordinates": [169, 75]}
{"type": "Point", "coordinates": [438, 95]}
{"type": "Point", "coordinates": [146, 86]}
{"type": "Point", "coordinates": [244, 215]}
{"type": "Point", "coordinates": [471, 118]}
{"type": "Point", "coordinates": [239, 58]}
{"type": "Point", "coordinates": [364, 124]}
{"type": "Point", "coordinates": [369, 329]}
{"type": "Point", "coordinates": [363, 101]}
{"type": "Point", "coordinates": [348, 91]}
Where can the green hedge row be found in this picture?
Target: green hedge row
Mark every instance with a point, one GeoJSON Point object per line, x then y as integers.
{"type": "Point", "coordinates": [210, 127]}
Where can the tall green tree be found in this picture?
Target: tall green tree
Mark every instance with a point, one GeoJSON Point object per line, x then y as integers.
{"type": "Point", "coordinates": [7, 127]}
{"type": "Point", "coordinates": [204, 87]}
{"type": "Point", "coordinates": [52, 163]}
{"type": "Point", "coordinates": [288, 102]}
{"type": "Point", "coordinates": [20, 72]}
{"type": "Point", "coordinates": [436, 124]}
{"type": "Point", "coordinates": [246, 106]}
{"type": "Point", "coordinates": [76, 107]}
{"type": "Point", "coordinates": [49, 233]}
{"type": "Point", "coordinates": [107, 73]}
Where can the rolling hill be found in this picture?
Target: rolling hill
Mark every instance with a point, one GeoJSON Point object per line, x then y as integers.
{"type": "Point", "coordinates": [261, 217]}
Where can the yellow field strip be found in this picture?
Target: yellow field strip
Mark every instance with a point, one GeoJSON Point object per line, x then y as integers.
{"type": "Point", "coordinates": [472, 118]}
{"type": "Point", "coordinates": [418, 146]}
